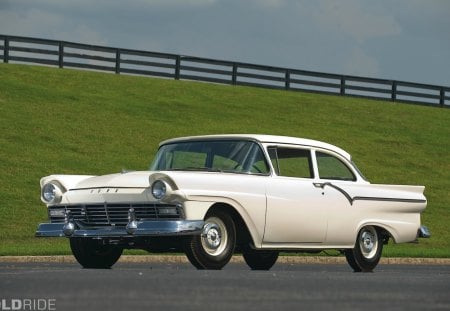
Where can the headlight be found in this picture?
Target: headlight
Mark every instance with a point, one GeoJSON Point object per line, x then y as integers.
{"type": "Point", "coordinates": [159, 189]}
{"type": "Point", "coordinates": [51, 193]}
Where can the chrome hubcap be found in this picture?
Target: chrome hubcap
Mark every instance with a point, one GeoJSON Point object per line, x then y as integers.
{"type": "Point", "coordinates": [214, 236]}
{"type": "Point", "coordinates": [368, 242]}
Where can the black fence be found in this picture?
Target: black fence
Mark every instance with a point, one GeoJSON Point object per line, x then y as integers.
{"type": "Point", "coordinates": [117, 60]}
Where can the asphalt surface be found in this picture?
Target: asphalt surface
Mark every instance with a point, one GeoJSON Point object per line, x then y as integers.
{"type": "Point", "coordinates": [178, 286]}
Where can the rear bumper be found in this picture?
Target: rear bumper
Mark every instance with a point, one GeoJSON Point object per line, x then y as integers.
{"type": "Point", "coordinates": [136, 228]}
{"type": "Point", "coordinates": [423, 232]}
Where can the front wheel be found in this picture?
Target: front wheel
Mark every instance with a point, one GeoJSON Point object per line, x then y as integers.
{"type": "Point", "coordinates": [94, 254]}
{"type": "Point", "coordinates": [260, 260]}
{"type": "Point", "coordinates": [366, 254]}
{"type": "Point", "coordinates": [215, 246]}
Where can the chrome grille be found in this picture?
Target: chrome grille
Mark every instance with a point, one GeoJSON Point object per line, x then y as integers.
{"type": "Point", "coordinates": [106, 214]}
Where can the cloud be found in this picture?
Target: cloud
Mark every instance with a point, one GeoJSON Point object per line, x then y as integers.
{"type": "Point", "coordinates": [269, 3]}
{"type": "Point", "coordinates": [361, 64]}
{"type": "Point", "coordinates": [34, 22]}
{"type": "Point", "coordinates": [24, 22]}
{"type": "Point", "coordinates": [348, 17]}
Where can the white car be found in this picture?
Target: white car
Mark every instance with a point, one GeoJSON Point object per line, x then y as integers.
{"type": "Point", "coordinates": [212, 196]}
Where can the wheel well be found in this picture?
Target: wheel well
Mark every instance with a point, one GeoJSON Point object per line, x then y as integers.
{"type": "Point", "coordinates": [243, 237]}
{"type": "Point", "coordinates": [385, 235]}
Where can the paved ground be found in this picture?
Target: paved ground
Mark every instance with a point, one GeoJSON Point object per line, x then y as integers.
{"type": "Point", "coordinates": [178, 286]}
{"type": "Point", "coordinates": [179, 258]}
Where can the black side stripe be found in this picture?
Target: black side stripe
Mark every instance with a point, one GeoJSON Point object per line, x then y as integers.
{"type": "Point", "coordinates": [389, 199]}
{"type": "Point", "coordinates": [359, 198]}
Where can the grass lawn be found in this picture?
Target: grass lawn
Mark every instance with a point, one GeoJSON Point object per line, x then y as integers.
{"type": "Point", "coordinates": [78, 122]}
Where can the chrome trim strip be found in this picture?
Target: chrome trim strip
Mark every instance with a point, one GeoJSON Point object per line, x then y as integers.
{"type": "Point", "coordinates": [144, 228]}
{"type": "Point", "coordinates": [347, 196]}
{"type": "Point", "coordinates": [107, 187]}
{"type": "Point", "coordinates": [389, 199]}
{"type": "Point", "coordinates": [359, 198]}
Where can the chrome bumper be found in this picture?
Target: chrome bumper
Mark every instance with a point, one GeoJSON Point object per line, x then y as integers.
{"type": "Point", "coordinates": [423, 232]}
{"type": "Point", "coordinates": [134, 228]}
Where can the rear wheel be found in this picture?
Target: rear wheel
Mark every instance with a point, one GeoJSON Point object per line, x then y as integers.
{"type": "Point", "coordinates": [215, 246]}
{"type": "Point", "coordinates": [366, 254]}
{"type": "Point", "coordinates": [260, 260]}
{"type": "Point", "coordinates": [94, 254]}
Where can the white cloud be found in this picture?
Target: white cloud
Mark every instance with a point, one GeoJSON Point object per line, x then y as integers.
{"type": "Point", "coordinates": [48, 25]}
{"type": "Point", "coordinates": [361, 64]}
{"type": "Point", "coordinates": [269, 3]}
{"type": "Point", "coordinates": [351, 18]}
{"type": "Point", "coordinates": [24, 23]}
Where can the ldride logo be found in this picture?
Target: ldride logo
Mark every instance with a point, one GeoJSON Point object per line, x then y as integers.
{"type": "Point", "coordinates": [28, 304]}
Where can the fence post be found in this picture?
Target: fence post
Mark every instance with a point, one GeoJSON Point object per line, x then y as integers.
{"type": "Point", "coordinates": [234, 74]}
{"type": "Point", "coordinates": [117, 61]}
{"type": "Point", "coordinates": [177, 67]}
{"type": "Point", "coordinates": [394, 91]}
{"type": "Point", "coordinates": [342, 91]}
{"type": "Point", "coordinates": [6, 50]}
{"type": "Point", "coordinates": [287, 79]}
{"type": "Point", "coordinates": [442, 97]}
{"type": "Point", "coordinates": [61, 55]}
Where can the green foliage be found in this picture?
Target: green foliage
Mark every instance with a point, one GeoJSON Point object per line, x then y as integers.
{"type": "Point", "coordinates": [78, 122]}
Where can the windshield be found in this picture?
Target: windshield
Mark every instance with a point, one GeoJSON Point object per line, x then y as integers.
{"type": "Point", "coordinates": [222, 155]}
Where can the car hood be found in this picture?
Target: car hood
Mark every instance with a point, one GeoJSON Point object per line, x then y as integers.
{"type": "Point", "coordinates": [120, 180]}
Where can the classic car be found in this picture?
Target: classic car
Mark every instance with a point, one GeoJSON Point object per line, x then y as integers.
{"type": "Point", "coordinates": [211, 196]}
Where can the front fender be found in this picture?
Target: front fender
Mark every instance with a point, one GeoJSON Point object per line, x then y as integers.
{"type": "Point", "coordinates": [198, 206]}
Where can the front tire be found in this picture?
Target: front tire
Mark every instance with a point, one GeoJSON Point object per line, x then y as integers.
{"type": "Point", "coordinates": [92, 254]}
{"type": "Point", "coordinates": [366, 254]}
{"type": "Point", "coordinates": [260, 260]}
{"type": "Point", "coordinates": [214, 247]}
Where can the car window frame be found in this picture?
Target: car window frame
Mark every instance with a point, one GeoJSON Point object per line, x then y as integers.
{"type": "Point", "coordinates": [258, 144]}
{"type": "Point", "coordinates": [276, 170]}
{"type": "Point", "coordinates": [344, 161]}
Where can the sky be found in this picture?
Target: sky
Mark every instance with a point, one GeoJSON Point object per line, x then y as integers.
{"type": "Point", "coordinates": [407, 40]}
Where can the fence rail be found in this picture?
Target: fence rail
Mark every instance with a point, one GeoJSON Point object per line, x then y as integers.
{"type": "Point", "coordinates": [65, 54]}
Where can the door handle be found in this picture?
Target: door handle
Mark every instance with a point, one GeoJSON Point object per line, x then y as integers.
{"type": "Point", "coordinates": [320, 184]}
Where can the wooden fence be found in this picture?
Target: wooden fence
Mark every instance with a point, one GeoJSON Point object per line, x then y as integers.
{"type": "Point", "coordinates": [117, 60]}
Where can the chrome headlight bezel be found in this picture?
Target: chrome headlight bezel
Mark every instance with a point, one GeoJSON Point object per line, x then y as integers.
{"type": "Point", "coordinates": [159, 189]}
{"type": "Point", "coordinates": [51, 193]}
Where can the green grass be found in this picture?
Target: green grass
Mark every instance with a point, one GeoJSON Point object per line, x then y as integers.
{"type": "Point", "coordinates": [78, 122]}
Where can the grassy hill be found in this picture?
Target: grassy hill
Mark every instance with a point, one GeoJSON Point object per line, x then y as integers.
{"type": "Point", "coordinates": [79, 122]}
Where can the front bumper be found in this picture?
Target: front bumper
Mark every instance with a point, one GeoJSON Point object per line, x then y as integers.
{"type": "Point", "coordinates": [135, 228]}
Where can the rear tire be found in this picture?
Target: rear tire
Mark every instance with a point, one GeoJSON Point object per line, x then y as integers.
{"type": "Point", "coordinates": [214, 247]}
{"type": "Point", "coordinates": [366, 254]}
{"type": "Point", "coordinates": [260, 260]}
{"type": "Point", "coordinates": [92, 254]}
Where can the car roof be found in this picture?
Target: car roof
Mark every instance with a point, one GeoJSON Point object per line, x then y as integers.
{"type": "Point", "coordinates": [266, 139]}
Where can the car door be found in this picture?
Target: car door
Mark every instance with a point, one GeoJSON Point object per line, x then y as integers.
{"type": "Point", "coordinates": [336, 179]}
{"type": "Point", "coordinates": [295, 213]}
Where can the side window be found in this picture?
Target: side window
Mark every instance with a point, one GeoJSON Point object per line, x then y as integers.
{"type": "Point", "coordinates": [292, 162]}
{"type": "Point", "coordinates": [331, 167]}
